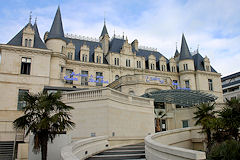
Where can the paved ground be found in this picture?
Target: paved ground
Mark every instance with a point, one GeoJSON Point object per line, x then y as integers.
{"type": "Point", "coordinates": [123, 153]}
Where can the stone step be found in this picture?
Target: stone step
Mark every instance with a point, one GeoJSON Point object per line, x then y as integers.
{"type": "Point", "coordinates": [117, 157]}
{"type": "Point", "coordinates": [117, 152]}
{"type": "Point", "coordinates": [129, 152]}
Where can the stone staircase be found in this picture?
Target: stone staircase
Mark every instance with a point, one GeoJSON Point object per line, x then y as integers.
{"type": "Point", "coordinates": [132, 152]}
{"type": "Point", "coordinates": [6, 150]}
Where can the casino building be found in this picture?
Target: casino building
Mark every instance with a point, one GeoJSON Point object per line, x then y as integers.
{"type": "Point", "coordinates": [73, 63]}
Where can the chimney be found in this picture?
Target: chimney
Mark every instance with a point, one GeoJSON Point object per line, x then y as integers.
{"type": "Point", "coordinates": [135, 44]}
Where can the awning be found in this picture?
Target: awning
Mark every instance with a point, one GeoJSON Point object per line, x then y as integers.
{"type": "Point", "coordinates": [181, 97]}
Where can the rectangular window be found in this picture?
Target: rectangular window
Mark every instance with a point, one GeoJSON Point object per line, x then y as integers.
{"type": "Point", "coordinates": [139, 64]}
{"type": "Point", "coordinates": [128, 63]}
{"type": "Point", "coordinates": [118, 61]}
{"type": "Point", "coordinates": [26, 65]}
{"type": "Point", "coordinates": [185, 67]}
{"type": "Point", "coordinates": [115, 61]}
{"type": "Point", "coordinates": [210, 85]}
{"type": "Point", "coordinates": [187, 84]}
{"type": "Point", "coordinates": [185, 123]}
{"type": "Point", "coordinates": [21, 102]}
{"type": "Point", "coordinates": [175, 84]}
{"type": "Point", "coordinates": [163, 124]}
{"type": "Point", "coordinates": [84, 78]}
{"type": "Point", "coordinates": [69, 74]}
{"type": "Point", "coordinates": [99, 78]}
{"type": "Point", "coordinates": [159, 105]}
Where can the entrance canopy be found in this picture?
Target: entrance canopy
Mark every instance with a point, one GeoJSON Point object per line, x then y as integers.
{"type": "Point", "coordinates": [181, 97]}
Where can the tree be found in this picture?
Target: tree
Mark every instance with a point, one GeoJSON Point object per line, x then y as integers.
{"type": "Point", "coordinates": [45, 115]}
{"type": "Point", "coordinates": [228, 150]}
{"type": "Point", "coordinates": [205, 116]}
{"type": "Point", "coordinates": [159, 115]}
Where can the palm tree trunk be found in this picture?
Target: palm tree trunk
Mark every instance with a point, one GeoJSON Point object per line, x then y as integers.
{"type": "Point", "coordinates": [44, 144]}
{"type": "Point", "coordinates": [158, 129]}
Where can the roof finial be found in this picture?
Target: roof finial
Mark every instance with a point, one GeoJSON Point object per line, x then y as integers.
{"type": "Point", "coordinates": [176, 45]}
{"type": "Point", "coordinates": [123, 35]}
{"type": "Point", "coordinates": [114, 33]}
{"type": "Point", "coordinates": [197, 48]}
{"type": "Point", "coordinates": [104, 18]}
{"type": "Point", "coordinates": [30, 17]}
{"type": "Point", "coordinates": [36, 20]}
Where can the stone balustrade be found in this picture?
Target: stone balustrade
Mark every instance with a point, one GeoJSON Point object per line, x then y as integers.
{"type": "Point", "coordinates": [177, 144]}
{"type": "Point", "coordinates": [104, 93]}
{"type": "Point", "coordinates": [84, 148]}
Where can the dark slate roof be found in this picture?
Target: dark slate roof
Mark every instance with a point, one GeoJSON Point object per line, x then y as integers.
{"type": "Point", "coordinates": [147, 53]}
{"type": "Point", "coordinates": [116, 45]}
{"type": "Point", "coordinates": [176, 53]}
{"type": "Point", "coordinates": [104, 30]}
{"type": "Point", "coordinates": [38, 43]}
{"type": "Point", "coordinates": [184, 53]}
{"type": "Point", "coordinates": [56, 30]}
{"type": "Point", "coordinates": [92, 45]}
{"type": "Point", "coordinates": [231, 76]}
{"type": "Point", "coordinates": [199, 63]}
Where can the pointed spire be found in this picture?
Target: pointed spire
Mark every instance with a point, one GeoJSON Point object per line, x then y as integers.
{"type": "Point", "coordinates": [38, 43]}
{"type": "Point", "coordinates": [104, 30]}
{"type": "Point", "coordinates": [184, 53]}
{"type": "Point", "coordinates": [56, 30]}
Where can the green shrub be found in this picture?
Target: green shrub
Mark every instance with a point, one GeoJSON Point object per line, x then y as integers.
{"type": "Point", "coordinates": [228, 150]}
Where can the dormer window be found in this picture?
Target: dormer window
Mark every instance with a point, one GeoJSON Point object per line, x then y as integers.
{"type": "Point", "coordinates": [152, 66]}
{"type": "Point", "coordinates": [163, 67]}
{"type": "Point", "coordinates": [173, 69]}
{"type": "Point", "coordinates": [70, 55]}
{"type": "Point", "coordinates": [28, 43]}
{"type": "Point", "coordinates": [84, 58]}
{"type": "Point", "coordinates": [128, 63]}
{"type": "Point", "coordinates": [98, 59]}
{"type": "Point", "coordinates": [185, 67]}
{"type": "Point", "coordinates": [207, 68]}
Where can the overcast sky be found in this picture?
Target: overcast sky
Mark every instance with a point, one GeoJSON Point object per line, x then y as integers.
{"type": "Point", "coordinates": [214, 25]}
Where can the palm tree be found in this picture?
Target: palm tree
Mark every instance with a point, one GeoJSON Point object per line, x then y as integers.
{"type": "Point", "coordinates": [205, 117]}
{"type": "Point", "coordinates": [45, 116]}
{"type": "Point", "coordinates": [159, 115]}
{"type": "Point", "coordinates": [230, 117]}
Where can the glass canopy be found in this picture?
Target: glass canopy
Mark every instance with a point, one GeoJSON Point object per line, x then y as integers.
{"type": "Point", "coordinates": [181, 97]}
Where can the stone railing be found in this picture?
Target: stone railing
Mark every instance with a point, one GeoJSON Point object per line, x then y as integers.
{"type": "Point", "coordinates": [104, 93]}
{"type": "Point", "coordinates": [139, 78]}
{"type": "Point", "coordinates": [175, 145]}
{"type": "Point", "coordinates": [85, 148]}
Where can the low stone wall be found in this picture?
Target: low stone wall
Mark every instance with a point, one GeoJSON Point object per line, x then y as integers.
{"type": "Point", "coordinates": [85, 148]}
{"type": "Point", "coordinates": [175, 145]}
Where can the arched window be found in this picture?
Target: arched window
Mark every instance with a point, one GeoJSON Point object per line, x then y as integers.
{"type": "Point", "coordinates": [26, 42]}
{"type": "Point", "coordinates": [29, 43]}
{"type": "Point", "coordinates": [131, 93]}
{"type": "Point", "coordinates": [116, 77]}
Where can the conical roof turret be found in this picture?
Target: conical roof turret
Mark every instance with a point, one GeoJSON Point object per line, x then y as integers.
{"type": "Point", "coordinates": [56, 30]}
{"type": "Point", "coordinates": [104, 30]}
{"type": "Point", "coordinates": [184, 53]}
